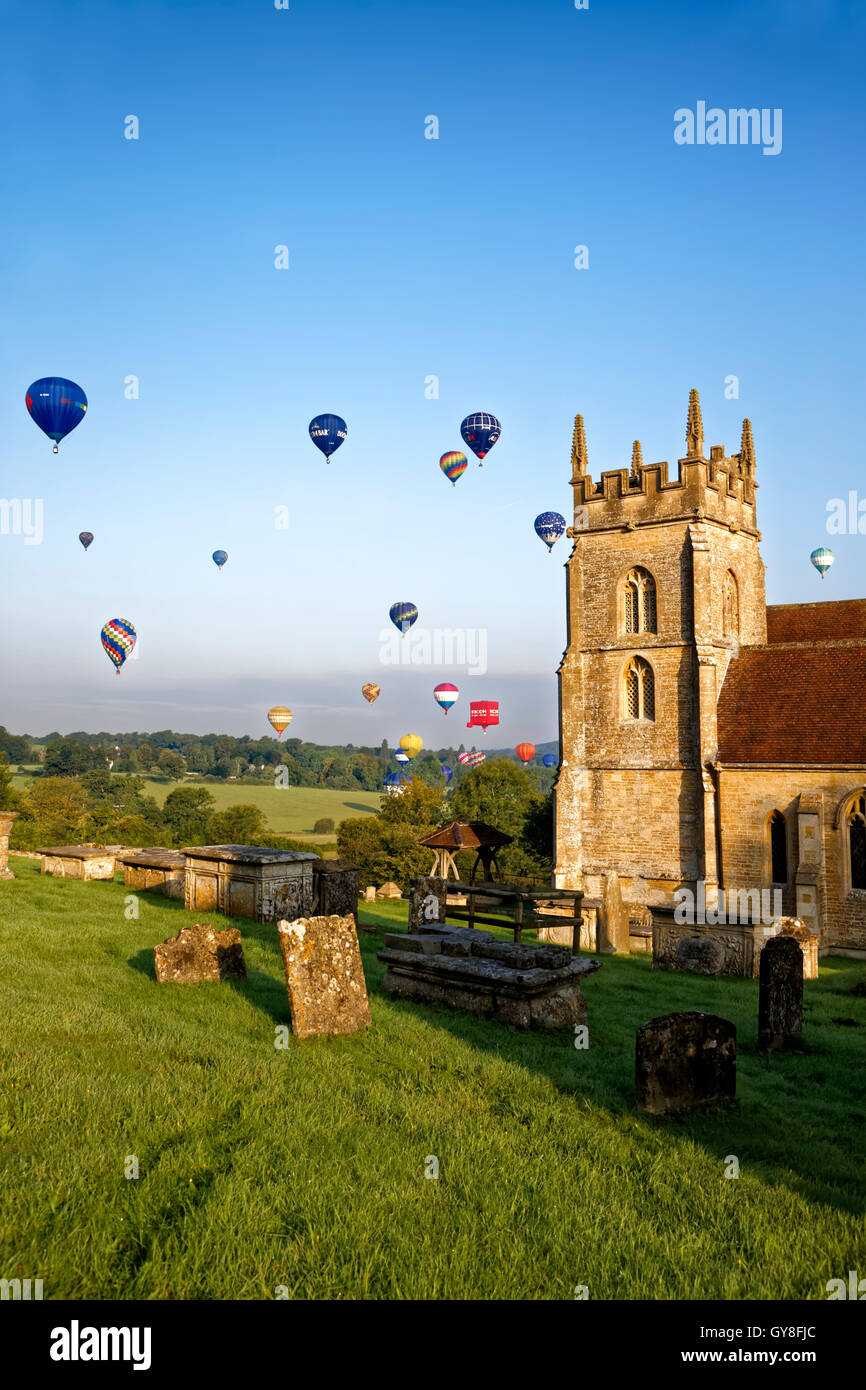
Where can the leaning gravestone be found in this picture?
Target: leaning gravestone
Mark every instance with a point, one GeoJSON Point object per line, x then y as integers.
{"type": "Point", "coordinates": [612, 929]}
{"type": "Point", "coordinates": [702, 955]}
{"type": "Point", "coordinates": [780, 997]}
{"type": "Point", "coordinates": [199, 953]}
{"type": "Point", "coordinates": [324, 976]}
{"type": "Point", "coordinates": [427, 903]}
{"type": "Point", "coordinates": [684, 1061]}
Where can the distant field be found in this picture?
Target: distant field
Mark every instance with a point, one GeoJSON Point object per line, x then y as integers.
{"type": "Point", "coordinates": [289, 810]}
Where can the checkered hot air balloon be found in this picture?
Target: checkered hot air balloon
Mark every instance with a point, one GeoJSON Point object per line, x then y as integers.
{"type": "Point", "coordinates": [446, 695]}
{"type": "Point", "coordinates": [118, 638]}
{"type": "Point", "coordinates": [370, 692]}
{"type": "Point", "coordinates": [480, 431]}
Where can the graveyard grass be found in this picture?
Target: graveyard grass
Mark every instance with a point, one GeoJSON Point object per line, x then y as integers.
{"type": "Point", "coordinates": [304, 1167]}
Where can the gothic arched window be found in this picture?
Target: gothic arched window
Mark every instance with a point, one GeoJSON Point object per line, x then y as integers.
{"type": "Point", "coordinates": [778, 848]}
{"type": "Point", "coordinates": [731, 618]}
{"type": "Point", "coordinates": [639, 690]}
{"type": "Point", "coordinates": [639, 602]}
{"type": "Point", "coordinates": [856, 827]}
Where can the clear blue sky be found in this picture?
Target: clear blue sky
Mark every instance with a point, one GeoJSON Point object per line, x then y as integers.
{"type": "Point", "coordinates": [409, 257]}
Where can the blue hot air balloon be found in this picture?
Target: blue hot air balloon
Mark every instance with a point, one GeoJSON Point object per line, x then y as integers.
{"type": "Point", "coordinates": [549, 760]}
{"type": "Point", "coordinates": [549, 526]}
{"type": "Point", "coordinates": [327, 433]}
{"type": "Point", "coordinates": [403, 615]}
{"type": "Point", "coordinates": [401, 757]}
{"type": "Point", "coordinates": [56, 405]}
{"type": "Point", "coordinates": [822, 559]}
{"type": "Point", "coordinates": [447, 772]}
{"type": "Point", "coordinates": [219, 558]}
{"type": "Point", "coordinates": [480, 431]}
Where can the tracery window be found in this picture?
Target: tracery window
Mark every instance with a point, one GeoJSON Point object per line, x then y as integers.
{"type": "Point", "coordinates": [639, 693]}
{"type": "Point", "coordinates": [779, 847]}
{"type": "Point", "coordinates": [639, 609]}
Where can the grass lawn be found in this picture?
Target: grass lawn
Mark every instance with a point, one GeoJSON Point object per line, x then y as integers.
{"type": "Point", "coordinates": [288, 810]}
{"type": "Point", "coordinates": [305, 1167]}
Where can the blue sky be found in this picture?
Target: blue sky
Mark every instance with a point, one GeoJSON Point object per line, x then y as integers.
{"type": "Point", "coordinates": [409, 257]}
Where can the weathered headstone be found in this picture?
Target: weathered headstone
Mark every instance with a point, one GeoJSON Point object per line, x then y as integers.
{"type": "Point", "coordinates": [389, 890]}
{"type": "Point", "coordinates": [427, 903]}
{"type": "Point", "coordinates": [370, 894]}
{"type": "Point", "coordinates": [612, 928]}
{"type": "Point", "coordinates": [780, 997]}
{"type": "Point", "coordinates": [200, 953]}
{"type": "Point", "coordinates": [335, 888]}
{"type": "Point", "coordinates": [6, 819]}
{"type": "Point", "coordinates": [702, 955]}
{"type": "Point", "coordinates": [684, 1061]}
{"type": "Point", "coordinates": [324, 976]}
{"type": "Point", "coordinates": [807, 941]}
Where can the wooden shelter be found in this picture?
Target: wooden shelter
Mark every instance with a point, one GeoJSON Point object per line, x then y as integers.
{"type": "Point", "coordinates": [462, 834]}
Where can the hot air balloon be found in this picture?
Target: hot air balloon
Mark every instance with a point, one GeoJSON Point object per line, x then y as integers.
{"type": "Point", "coordinates": [280, 717]}
{"type": "Point", "coordinates": [396, 782]}
{"type": "Point", "coordinates": [480, 431]}
{"type": "Point", "coordinates": [447, 772]}
{"type": "Point", "coordinates": [56, 405]}
{"type": "Point", "coordinates": [86, 538]}
{"type": "Point", "coordinates": [403, 615]}
{"type": "Point", "coordinates": [219, 558]}
{"type": "Point", "coordinates": [327, 433]}
{"type": "Point", "coordinates": [401, 757]}
{"type": "Point", "coordinates": [453, 465]}
{"type": "Point", "coordinates": [483, 713]}
{"type": "Point", "coordinates": [550, 760]}
{"type": "Point", "coordinates": [549, 526]}
{"type": "Point", "coordinates": [525, 752]}
{"type": "Point", "coordinates": [411, 745]}
{"type": "Point", "coordinates": [370, 692]}
{"type": "Point", "coordinates": [446, 695]}
{"type": "Point", "coordinates": [472, 758]}
{"type": "Point", "coordinates": [118, 638]}
{"type": "Point", "coordinates": [822, 559]}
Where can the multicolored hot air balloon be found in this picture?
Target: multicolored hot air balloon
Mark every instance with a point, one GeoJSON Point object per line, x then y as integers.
{"type": "Point", "coordinates": [483, 713]}
{"type": "Point", "coordinates": [280, 717]}
{"type": "Point", "coordinates": [453, 465]}
{"type": "Point", "coordinates": [56, 405]}
{"type": "Point", "coordinates": [327, 433]}
{"type": "Point", "coordinates": [446, 695]}
{"type": "Point", "coordinates": [403, 615]}
{"type": "Point", "coordinates": [411, 745]}
{"type": "Point", "coordinates": [525, 752]}
{"type": "Point", "coordinates": [550, 760]}
{"type": "Point", "coordinates": [118, 638]}
{"type": "Point", "coordinates": [86, 538]}
{"type": "Point", "coordinates": [370, 692]}
{"type": "Point", "coordinates": [219, 558]}
{"type": "Point", "coordinates": [396, 783]}
{"type": "Point", "coordinates": [472, 758]}
{"type": "Point", "coordinates": [401, 757]}
{"type": "Point", "coordinates": [549, 526]}
{"type": "Point", "coordinates": [447, 772]}
{"type": "Point", "coordinates": [480, 431]}
{"type": "Point", "coordinates": [822, 559]}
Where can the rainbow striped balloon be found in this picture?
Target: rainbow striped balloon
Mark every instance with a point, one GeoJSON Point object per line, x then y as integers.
{"type": "Point", "coordinates": [453, 465]}
{"type": "Point", "coordinates": [118, 638]}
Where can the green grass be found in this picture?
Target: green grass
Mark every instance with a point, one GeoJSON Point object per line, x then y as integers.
{"type": "Point", "coordinates": [288, 810]}
{"type": "Point", "coordinates": [304, 1167]}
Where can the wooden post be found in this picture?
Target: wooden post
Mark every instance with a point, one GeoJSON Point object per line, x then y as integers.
{"type": "Point", "coordinates": [578, 922]}
{"type": "Point", "coordinates": [518, 918]}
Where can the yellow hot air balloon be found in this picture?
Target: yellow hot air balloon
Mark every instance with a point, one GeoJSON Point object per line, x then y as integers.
{"type": "Point", "coordinates": [411, 745]}
{"type": "Point", "coordinates": [280, 717]}
{"type": "Point", "coordinates": [370, 691]}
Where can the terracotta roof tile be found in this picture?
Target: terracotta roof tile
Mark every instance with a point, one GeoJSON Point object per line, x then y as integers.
{"type": "Point", "coordinates": [816, 622]}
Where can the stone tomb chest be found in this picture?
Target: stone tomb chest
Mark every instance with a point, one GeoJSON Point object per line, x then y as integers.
{"type": "Point", "coordinates": [163, 869]}
{"type": "Point", "coordinates": [249, 881]}
{"type": "Point", "coordinates": [77, 861]}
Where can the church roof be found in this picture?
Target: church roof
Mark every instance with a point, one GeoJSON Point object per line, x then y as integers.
{"type": "Point", "coordinates": [795, 704]}
{"type": "Point", "coordinates": [816, 622]}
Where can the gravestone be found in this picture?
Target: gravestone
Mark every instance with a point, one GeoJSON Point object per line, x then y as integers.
{"type": "Point", "coordinates": [6, 819]}
{"type": "Point", "coordinates": [780, 997]}
{"type": "Point", "coordinates": [335, 888]}
{"type": "Point", "coordinates": [427, 903]}
{"type": "Point", "coordinates": [702, 955]}
{"type": "Point", "coordinates": [200, 953]}
{"type": "Point", "coordinates": [324, 976]}
{"type": "Point", "coordinates": [685, 1061]}
{"type": "Point", "coordinates": [806, 940]}
{"type": "Point", "coordinates": [369, 894]}
{"type": "Point", "coordinates": [612, 928]}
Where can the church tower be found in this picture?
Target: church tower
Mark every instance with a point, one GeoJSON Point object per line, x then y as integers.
{"type": "Point", "coordinates": [664, 583]}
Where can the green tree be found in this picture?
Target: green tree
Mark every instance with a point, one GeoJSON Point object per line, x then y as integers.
{"type": "Point", "coordinates": [172, 764]}
{"type": "Point", "coordinates": [323, 826]}
{"type": "Point", "coordinates": [238, 825]}
{"type": "Point", "coordinates": [187, 815]}
{"type": "Point", "coordinates": [499, 793]}
{"type": "Point", "coordinates": [417, 804]}
{"type": "Point", "coordinates": [9, 798]}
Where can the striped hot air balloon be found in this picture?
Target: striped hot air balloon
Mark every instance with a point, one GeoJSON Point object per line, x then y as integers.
{"type": "Point", "coordinates": [118, 638]}
{"type": "Point", "coordinates": [370, 692]}
{"type": "Point", "coordinates": [280, 717]}
{"type": "Point", "coordinates": [446, 695]}
{"type": "Point", "coordinates": [472, 758]}
{"type": "Point", "coordinates": [525, 752]}
{"type": "Point", "coordinates": [453, 465]}
{"type": "Point", "coordinates": [822, 559]}
{"type": "Point", "coordinates": [401, 757]}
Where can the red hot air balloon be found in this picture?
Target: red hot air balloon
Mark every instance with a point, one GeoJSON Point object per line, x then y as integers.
{"type": "Point", "coordinates": [483, 713]}
{"type": "Point", "coordinates": [525, 752]}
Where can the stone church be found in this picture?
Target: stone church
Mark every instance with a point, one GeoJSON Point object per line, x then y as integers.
{"type": "Point", "coordinates": [706, 738]}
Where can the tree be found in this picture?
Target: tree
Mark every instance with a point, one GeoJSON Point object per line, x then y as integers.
{"type": "Point", "coordinates": [66, 758]}
{"type": "Point", "coordinates": [172, 764]}
{"type": "Point", "coordinates": [187, 814]}
{"type": "Point", "coordinates": [9, 798]}
{"type": "Point", "coordinates": [417, 805]}
{"type": "Point", "coordinates": [323, 826]}
{"type": "Point", "coordinates": [238, 825]}
{"type": "Point", "coordinates": [499, 793]}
